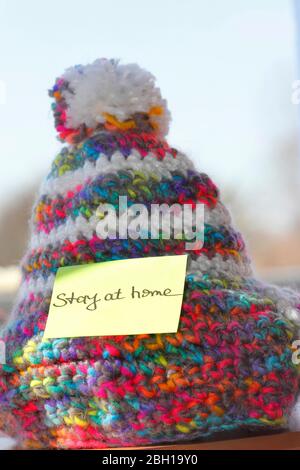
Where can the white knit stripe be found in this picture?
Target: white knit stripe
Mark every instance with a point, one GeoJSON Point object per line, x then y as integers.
{"type": "Point", "coordinates": [287, 300]}
{"type": "Point", "coordinates": [92, 170]}
{"type": "Point", "coordinates": [220, 268]}
{"type": "Point", "coordinates": [28, 286]}
{"type": "Point", "coordinates": [71, 229]}
{"type": "Point", "coordinates": [215, 266]}
{"type": "Point", "coordinates": [219, 216]}
{"type": "Point", "coordinates": [36, 286]}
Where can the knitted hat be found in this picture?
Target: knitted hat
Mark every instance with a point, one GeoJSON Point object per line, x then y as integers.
{"type": "Point", "coordinates": [228, 368]}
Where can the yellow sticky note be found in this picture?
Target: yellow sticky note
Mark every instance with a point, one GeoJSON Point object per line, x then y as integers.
{"type": "Point", "coordinates": [126, 297]}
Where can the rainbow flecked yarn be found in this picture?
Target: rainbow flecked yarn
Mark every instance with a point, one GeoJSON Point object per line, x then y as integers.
{"type": "Point", "coordinates": [229, 366]}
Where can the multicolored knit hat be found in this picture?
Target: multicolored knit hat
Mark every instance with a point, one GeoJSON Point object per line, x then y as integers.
{"type": "Point", "coordinates": [228, 368]}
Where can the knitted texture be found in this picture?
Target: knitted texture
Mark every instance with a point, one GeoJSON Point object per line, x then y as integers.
{"type": "Point", "coordinates": [228, 368]}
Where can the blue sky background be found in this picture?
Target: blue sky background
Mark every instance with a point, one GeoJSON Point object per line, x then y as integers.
{"type": "Point", "coordinates": [226, 69]}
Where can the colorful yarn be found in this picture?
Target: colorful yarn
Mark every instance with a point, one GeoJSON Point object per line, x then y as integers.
{"type": "Point", "coordinates": [227, 369]}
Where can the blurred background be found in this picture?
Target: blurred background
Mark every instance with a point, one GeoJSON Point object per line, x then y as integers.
{"type": "Point", "coordinates": [227, 69]}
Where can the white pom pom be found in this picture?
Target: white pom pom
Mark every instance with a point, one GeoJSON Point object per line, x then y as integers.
{"type": "Point", "coordinates": [108, 87]}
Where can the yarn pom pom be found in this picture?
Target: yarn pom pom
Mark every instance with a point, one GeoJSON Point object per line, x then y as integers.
{"type": "Point", "coordinates": [107, 94]}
